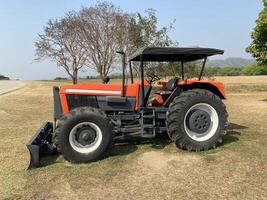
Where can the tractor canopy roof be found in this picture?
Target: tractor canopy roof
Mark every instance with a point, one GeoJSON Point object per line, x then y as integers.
{"type": "Point", "coordinates": [173, 54]}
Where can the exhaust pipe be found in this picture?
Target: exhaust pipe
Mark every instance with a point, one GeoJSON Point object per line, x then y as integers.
{"type": "Point", "coordinates": [41, 144]}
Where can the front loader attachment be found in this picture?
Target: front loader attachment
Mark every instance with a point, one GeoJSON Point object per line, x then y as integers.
{"type": "Point", "coordinates": [41, 144]}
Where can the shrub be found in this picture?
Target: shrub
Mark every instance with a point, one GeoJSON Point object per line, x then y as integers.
{"type": "Point", "coordinates": [2, 77]}
{"type": "Point", "coordinates": [60, 78]}
{"type": "Point", "coordinates": [223, 71]}
{"type": "Point", "coordinates": [255, 70]}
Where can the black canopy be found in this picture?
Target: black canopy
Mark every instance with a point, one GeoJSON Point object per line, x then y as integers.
{"type": "Point", "coordinates": [173, 54]}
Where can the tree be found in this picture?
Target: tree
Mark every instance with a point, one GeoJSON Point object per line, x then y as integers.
{"type": "Point", "coordinates": [60, 43]}
{"type": "Point", "coordinates": [91, 37]}
{"type": "Point", "coordinates": [144, 31]}
{"type": "Point", "coordinates": [258, 46]}
{"type": "Point", "coordinates": [99, 27]}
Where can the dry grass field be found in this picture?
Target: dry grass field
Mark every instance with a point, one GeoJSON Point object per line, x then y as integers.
{"type": "Point", "coordinates": [138, 169]}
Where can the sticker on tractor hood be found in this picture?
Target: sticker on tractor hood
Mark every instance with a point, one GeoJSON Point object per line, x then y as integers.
{"type": "Point", "coordinates": [93, 91]}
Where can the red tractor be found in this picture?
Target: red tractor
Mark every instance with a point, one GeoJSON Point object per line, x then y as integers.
{"type": "Point", "coordinates": [89, 116]}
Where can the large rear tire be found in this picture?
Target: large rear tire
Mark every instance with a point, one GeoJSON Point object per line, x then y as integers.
{"type": "Point", "coordinates": [197, 120]}
{"type": "Point", "coordinates": [84, 135]}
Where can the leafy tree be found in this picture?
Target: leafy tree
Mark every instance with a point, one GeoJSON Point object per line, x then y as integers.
{"type": "Point", "coordinates": [60, 43]}
{"type": "Point", "coordinates": [143, 31]}
{"type": "Point", "coordinates": [258, 47]}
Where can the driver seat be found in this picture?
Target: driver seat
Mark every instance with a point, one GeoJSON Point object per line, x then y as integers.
{"type": "Point", "coordinates": [170, 86]}
{"type": "Point", "coordinates": [163, 95]}
{"type": "Point", "coordinates": [172, 83]}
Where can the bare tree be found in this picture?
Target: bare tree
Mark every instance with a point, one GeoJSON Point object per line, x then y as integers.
{"type": "Point", "coordinates": [98, 30]}
{"type": "Point", "coordinates": [104, 29]}
{"type": "Point", "coordinates": [60, 43]}
{"type": "Point", "coordinates": [91, 37]}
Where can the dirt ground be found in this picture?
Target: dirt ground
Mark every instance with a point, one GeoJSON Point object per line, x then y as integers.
{"type": "Point", "coordinates": [139, 169]}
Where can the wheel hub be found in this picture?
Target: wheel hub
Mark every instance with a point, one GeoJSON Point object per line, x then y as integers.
{"type": "Point", "coordinates": [198, 121]}
{"type": "Point", "coordinates": [85, 136]}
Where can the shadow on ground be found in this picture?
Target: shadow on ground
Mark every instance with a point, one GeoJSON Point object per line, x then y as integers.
{"type": "Point", "coordinates": [121, 147]}
{"type": "Point", "coordinates": [127, 146]}
{"type": "Point", "coordinates": [49, 160]}
{"type": "Point", "coordinates": [130, 145]}
{"type": "Point", "coordinates": [233, 133]}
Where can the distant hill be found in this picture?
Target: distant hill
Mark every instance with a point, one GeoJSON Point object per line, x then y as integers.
{"type": "Point", "coordinates": [230, 62]}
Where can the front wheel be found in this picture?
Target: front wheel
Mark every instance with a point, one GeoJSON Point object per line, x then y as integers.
{"type": "Point", "coordinates": [84, 134]}
{"type": "Point", "coordinates": [197, 120]}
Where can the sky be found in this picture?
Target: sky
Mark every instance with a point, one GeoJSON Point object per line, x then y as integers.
{"type": "Point", "coordinates": [207, 23]}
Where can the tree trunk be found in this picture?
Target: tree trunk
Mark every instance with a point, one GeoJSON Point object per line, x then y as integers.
{"type": "Point", "coordinates": [101, 75]}
{"type": "Point", "coordinates": [75, 76]}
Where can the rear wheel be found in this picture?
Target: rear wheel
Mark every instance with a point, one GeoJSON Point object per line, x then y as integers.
{"type": "Point", "coordinates": [84, 134]}
{"type": "Point", "coordinates": [197, 120]}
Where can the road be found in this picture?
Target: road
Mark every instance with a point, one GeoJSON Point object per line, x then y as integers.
{"type": "Point", "coordinates": [8, 86]}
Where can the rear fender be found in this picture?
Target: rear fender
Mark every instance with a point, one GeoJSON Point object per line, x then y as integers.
{"type": "Point", "coordinates": [213, 86]}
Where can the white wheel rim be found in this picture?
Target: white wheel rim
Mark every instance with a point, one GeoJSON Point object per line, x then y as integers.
{"type": "Point", "coordinates": [87, 148]}
{"type": "Point", "coordinates": [213, 125]}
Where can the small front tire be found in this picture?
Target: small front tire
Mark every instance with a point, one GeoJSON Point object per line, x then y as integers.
{"type": "Point", "coordinates": [84, 135]}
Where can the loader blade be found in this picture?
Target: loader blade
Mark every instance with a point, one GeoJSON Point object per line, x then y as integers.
{"type": "Point", "coordinates": [41, 144]}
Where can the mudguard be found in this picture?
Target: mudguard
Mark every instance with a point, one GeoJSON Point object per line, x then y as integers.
{"type": "Point", "coordinates": [41, 144]}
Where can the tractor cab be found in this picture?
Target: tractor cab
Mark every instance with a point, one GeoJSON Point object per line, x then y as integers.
{"type": "Point", "coordinates": [175, 85]}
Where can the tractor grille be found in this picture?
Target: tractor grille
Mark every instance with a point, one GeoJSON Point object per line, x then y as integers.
{"type": "Point", "coordinates": [75, 101]}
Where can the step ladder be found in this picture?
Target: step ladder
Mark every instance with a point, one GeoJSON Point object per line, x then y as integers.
{"type": "Point", "coordinates": [148, 123]}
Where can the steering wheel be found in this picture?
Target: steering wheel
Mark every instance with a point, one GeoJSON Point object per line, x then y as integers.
{"type": "Point", "coordinates": [152, 77]}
